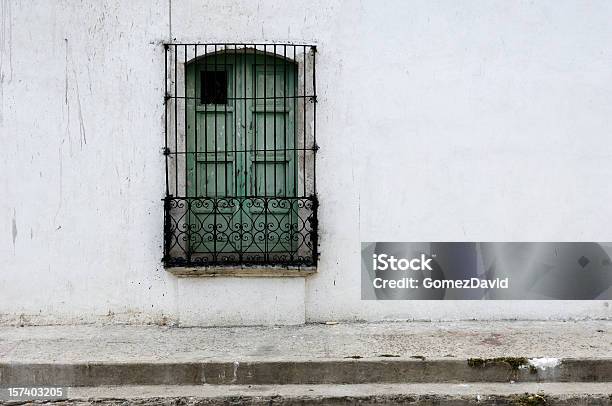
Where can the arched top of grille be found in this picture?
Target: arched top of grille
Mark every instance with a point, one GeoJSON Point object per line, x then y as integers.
{"type": "Point", "coordinates": [208, 51]}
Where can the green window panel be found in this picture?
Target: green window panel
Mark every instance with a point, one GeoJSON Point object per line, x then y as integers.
{"type": "Point", "coordinates": [241, 146]}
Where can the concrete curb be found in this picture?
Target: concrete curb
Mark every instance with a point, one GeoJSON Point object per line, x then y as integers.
{"type": "Point", "coordinates": [406, 399]}
{"type": "Point", "coordinates": [332, 371]}
{"type": "Point", "coordinates": [519, 394]}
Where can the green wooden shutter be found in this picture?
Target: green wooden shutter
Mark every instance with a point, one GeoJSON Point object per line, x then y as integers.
{"type": "Point", "coordinates": [243, 153]}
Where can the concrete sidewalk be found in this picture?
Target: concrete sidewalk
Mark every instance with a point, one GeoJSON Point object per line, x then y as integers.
{"type": "Point", "coordinates": [377, 362]}
{"type": "Point", "coordinates": [371, 341]}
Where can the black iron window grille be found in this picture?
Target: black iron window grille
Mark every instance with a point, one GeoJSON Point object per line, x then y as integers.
{"type": "Point", "coordinates": [240, 146]}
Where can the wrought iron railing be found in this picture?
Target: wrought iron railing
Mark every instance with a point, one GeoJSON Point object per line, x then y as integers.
{"type": "Point", "coordinates": [240, 146]}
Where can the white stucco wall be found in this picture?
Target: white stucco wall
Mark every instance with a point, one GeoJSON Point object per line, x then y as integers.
{"type": "Point", "coordinates": [470, 121]}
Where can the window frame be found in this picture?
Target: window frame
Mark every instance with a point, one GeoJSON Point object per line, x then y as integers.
{"type": "Point", "coordinates": [305, 201]}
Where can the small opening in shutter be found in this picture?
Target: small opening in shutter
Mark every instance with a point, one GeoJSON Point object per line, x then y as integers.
{"type": "Point", "coordinates": [214, 87]}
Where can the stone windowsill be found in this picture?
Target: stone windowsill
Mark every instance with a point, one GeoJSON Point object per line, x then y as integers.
{"type": "Point", "coordinates": [241, 271]}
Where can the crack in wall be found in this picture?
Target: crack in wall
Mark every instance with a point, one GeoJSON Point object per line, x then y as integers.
{"type": "Point", "coordinates": [14, 228]}
{"type": "Point", "coordinates": [83, 138]}
{"type": "Point", "coordinates": [68, 76]}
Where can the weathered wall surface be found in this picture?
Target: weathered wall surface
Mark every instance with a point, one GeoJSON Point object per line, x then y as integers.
{"type": "Point", "coordinates": [477, 121]}
{"type": "Point", "coordinates": [81, 124]}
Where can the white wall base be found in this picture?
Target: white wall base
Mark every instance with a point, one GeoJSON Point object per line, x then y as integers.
{"type": "Point", "coordinates": [240, 301]}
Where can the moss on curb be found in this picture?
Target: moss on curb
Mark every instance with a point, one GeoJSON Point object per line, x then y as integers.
{"type": "Point", "coordinates": [514, 362]}
{"type": "Point", "coordinates": [529, 399]}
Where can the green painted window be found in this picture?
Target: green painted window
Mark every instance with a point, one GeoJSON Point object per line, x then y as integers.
{"type": "Point", "coordinates": [240, 156]}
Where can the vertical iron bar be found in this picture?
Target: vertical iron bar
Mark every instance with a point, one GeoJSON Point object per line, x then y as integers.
{"type": "Point", "coordinates": [234, 114]}
{"type": "Point", "coordinates": [295, 100]}
{"type": "Point", "coordinates": [255, 107]}
{"type": "Point", "coordinates": [166, 114]}
{"type": "Point", "coordinates": [286, 164]}
{"type": "Point", "coordinates": [196, 72]}
{"type": "Point", "coordinates": [314, 121]}
{"type": "Point", "coordinates": [296, 164]}
{"type": "Point", "coordinates": [315, 225]}
{"type": "Point", "coordinates": [245, 133]}
{"type": "Point", "coordinates": [265, 178]}
{"type": "Point", "coordinates": [203, 86]}
{"type": "Point", "coordinates": [285, 112]}
{"type": "Point", "coordinates": [244, 124]}
{"type": "Point", "coordinates": [216, 148]}
{"type": "Point", "coordinates": [225, 162]}
{"type": "Point", "coordinates": [304, 138]}
{"type": "Point", "coordinates": [274, 165]}
{"type": "Point", "coordinates": [167, 226]}
{"type": "Point", "coordinates": [186, 157]}
{"type": "Point", "coordinates": [225, 165]}
{"type": "Point", "coordinates": [216, 204]}
{"type": "Point", "coordinates": [176, 190]}
{"type": "Point", "coordinates": [185, 141]}
{"type": "Point", "coordinates": [265, 117]}
{"type": "Point", "coordinates": [235, 146]}
{"type": "Point", "coordinates": [166, 200]}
